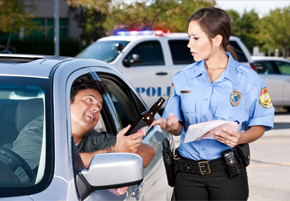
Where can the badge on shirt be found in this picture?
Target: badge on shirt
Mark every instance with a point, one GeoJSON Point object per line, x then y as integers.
{"type": "Point", "coordinates": [265, 99]}
{"type": "Point", "coordinates": [235, 98]}
{"type": "Point", "coordinates": [172, 86]}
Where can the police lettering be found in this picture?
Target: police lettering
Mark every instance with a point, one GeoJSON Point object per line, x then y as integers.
{"type": "Point", "coordinates": [152, 91]}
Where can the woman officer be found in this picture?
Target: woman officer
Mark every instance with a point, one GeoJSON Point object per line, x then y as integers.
{"type": "Point", "coordinates": [215, 87]}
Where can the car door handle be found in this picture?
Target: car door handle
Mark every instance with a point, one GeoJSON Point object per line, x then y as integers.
{"type": "Point", "coordinates": [161, 73]}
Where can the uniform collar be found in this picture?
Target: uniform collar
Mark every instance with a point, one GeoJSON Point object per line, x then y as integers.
{"type": "Point", "coordinates": [230, 72]}
{"type": "Point", "coordinates": [199, 67]}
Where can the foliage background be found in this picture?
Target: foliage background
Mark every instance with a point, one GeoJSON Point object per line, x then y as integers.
{"type": "Point", "coordinates": [102, 17]}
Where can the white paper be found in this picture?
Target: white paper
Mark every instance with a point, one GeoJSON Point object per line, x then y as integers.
{"type": "Point", "coordinates": [206, 130]}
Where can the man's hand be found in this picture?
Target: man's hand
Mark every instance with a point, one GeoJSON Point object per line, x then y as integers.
{"type": "Point", "coordinates": [128, 143]}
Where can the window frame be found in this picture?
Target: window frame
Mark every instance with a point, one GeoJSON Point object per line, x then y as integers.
{"type": "Point", "coordinates": [142, 64]}
{"type": "Point", "coordinates": [273, 65]}
{"type": "Point", "coordinates": [278, 67]}
{"type": "Point", "coordinates": [138, 106]}
{"type": "Point", "coordinates": [47, 86]}
{"type": "Point", "coordinates": [170, 41]}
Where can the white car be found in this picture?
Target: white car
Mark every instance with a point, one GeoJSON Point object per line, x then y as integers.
{"type": "Point", "coordinates": [149, 59]}
{"type": "Point", "coordinates": [36, 85]}
{"type": "Point", "coordinates": [276, 74]}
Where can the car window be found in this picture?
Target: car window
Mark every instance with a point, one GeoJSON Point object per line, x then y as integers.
{"type": "Point", "coordinates": [128, 107]}
{"type": "Point", "coordinates": [145, 54]}
{"type": "Point", "coordinates": [102, 50]}
{"type": "Point", "coordinates": [265, 67]}
{"type": "Point", "coordinates": [126, 103]}
{"type": "Point", "coordinates": [25, 135]}
{"type": "Point", "coordinates": [239, 52]}
{"type": "Point", "coordinates": [180, 52]}
{"type": "Point", "coordinates": [283, 67]}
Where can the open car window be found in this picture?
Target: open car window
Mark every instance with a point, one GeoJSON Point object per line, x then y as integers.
{"type": "Point", "coordinates": [126, 104]}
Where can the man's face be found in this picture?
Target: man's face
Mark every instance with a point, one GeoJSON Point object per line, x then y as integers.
{"type": "Point", "coordinates": [85, 111]}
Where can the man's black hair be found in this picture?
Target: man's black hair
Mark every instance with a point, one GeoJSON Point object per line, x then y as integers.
{"type": "Point", "coordinates": [85, 82]}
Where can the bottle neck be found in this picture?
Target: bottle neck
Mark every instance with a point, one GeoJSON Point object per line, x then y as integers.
{"type": "Point", "coordinates": [154, 109]}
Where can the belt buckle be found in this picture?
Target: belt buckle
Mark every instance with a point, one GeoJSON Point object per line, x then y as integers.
{"type": "Point", "coordinates": [204, 167]}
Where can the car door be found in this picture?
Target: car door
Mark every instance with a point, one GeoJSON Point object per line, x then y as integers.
{"type": "Point", "coordinates": [272, 78]}
{"type": "Point", "coordinates": [127, 106]}
{"type": "Point", "coordinates": [107, 123]}
{"type": "Point", "coordinates": [284, 68]}
{"type": "Point", "coordinates": [144, 66]}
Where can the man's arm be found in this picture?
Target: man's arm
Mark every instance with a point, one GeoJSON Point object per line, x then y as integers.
{"type": "Point", "coordinates": [87, 156]}
{"type": "Point", "coordinates": [144, 150]}
{"type": "Point", "coordinates": [123, 144]}
{"type": "Point", "coordinates": [147, 153]}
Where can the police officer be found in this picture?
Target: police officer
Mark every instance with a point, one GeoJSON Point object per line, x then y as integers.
{"type": "Point", "coordinates": [215, 87]}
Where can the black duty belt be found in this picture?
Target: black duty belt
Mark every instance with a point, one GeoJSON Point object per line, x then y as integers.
{"type": "Point", "coordinates": [202, 167]}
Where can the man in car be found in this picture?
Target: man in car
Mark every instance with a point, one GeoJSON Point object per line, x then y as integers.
{"type": "Point", "coordinates": [86, 103]}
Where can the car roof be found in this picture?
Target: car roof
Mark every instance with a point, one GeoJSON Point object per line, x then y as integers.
{"type": "Point", "coordinates": [138, 37]}
{"type": "Point", "coordinates": [259, 58]}
{"type": "Point", "coordinates": [42, 66]}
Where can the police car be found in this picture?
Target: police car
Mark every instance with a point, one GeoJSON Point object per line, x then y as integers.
{"type": "Point", "coordinates": [31, 86]}
{"type": "Point", "coordinates": [149, 59]}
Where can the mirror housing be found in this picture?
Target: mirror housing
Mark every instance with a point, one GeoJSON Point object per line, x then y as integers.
{"type": "Point", "coordinates": [136, 58]}
{"type": "Point", "coordinates": [132, 59]}
{"type": "Point", "coordinates": [114, 170]}
{"type": "Point", "coordinates": [119, 47]}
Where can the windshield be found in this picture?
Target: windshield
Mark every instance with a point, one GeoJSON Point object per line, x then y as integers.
{"type": "Point", "coordinates": [25, 135]}
{"type": "Point", "coordinates": [102, 50]}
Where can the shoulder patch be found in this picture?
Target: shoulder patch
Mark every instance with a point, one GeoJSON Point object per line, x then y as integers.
{"type": "Point", "coordinates": [265, 99]}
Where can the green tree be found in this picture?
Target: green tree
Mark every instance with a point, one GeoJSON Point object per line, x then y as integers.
{"type": "Point", "coordinates": [245, 27]}
{"type": "Point", "coordinates": [175, 16]}
{"type": "Point", "coordinates": [15, 9]}
{"type": "Point", "coordinates": [91, 16]}
{"type": "Point", "coordinates": [274, 30]}
{"type": "Point", "coordinates": [157, 14]}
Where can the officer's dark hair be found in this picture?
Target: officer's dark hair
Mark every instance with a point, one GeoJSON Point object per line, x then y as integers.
{"type": "Point", "coordinates": [85, 82]}
{"type": "Point", "coordinates": [215, 21]}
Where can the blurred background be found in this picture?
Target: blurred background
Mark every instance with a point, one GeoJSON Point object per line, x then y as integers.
{"type": "Point", "coordinates": [261, 25]}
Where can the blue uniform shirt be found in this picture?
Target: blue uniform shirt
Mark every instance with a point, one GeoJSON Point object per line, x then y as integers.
{"type": "Point", "coordinates": [194, 99]}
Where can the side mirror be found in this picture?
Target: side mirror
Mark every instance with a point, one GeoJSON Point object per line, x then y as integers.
{"type": "Point", "coordinates": [119, 47]}
{"type": "Point", "coordinates": [114, 170]}
{"type": "Point", "coordinates": [132, 59]}
{"type": "Point", "coordinates": [136, 58]}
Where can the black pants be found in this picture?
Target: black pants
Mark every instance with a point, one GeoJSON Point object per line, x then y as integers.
{"type": "Point", "coordinates": [215, 186]}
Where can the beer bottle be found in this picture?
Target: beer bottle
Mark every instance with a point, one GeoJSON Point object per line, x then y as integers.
{"type": "Point", "coordinates": [146, 118]}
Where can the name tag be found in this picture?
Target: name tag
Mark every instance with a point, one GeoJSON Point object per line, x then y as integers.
{"type": "Point", "coordinates": [185, 91]}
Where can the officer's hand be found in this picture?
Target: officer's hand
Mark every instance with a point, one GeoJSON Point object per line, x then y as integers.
{"type": "Point", "coordinates": [229, 137]}
{"type": "Point", "coordinates": [128, 143]}
{"type": "Point", "coordinates": [171, 124]}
